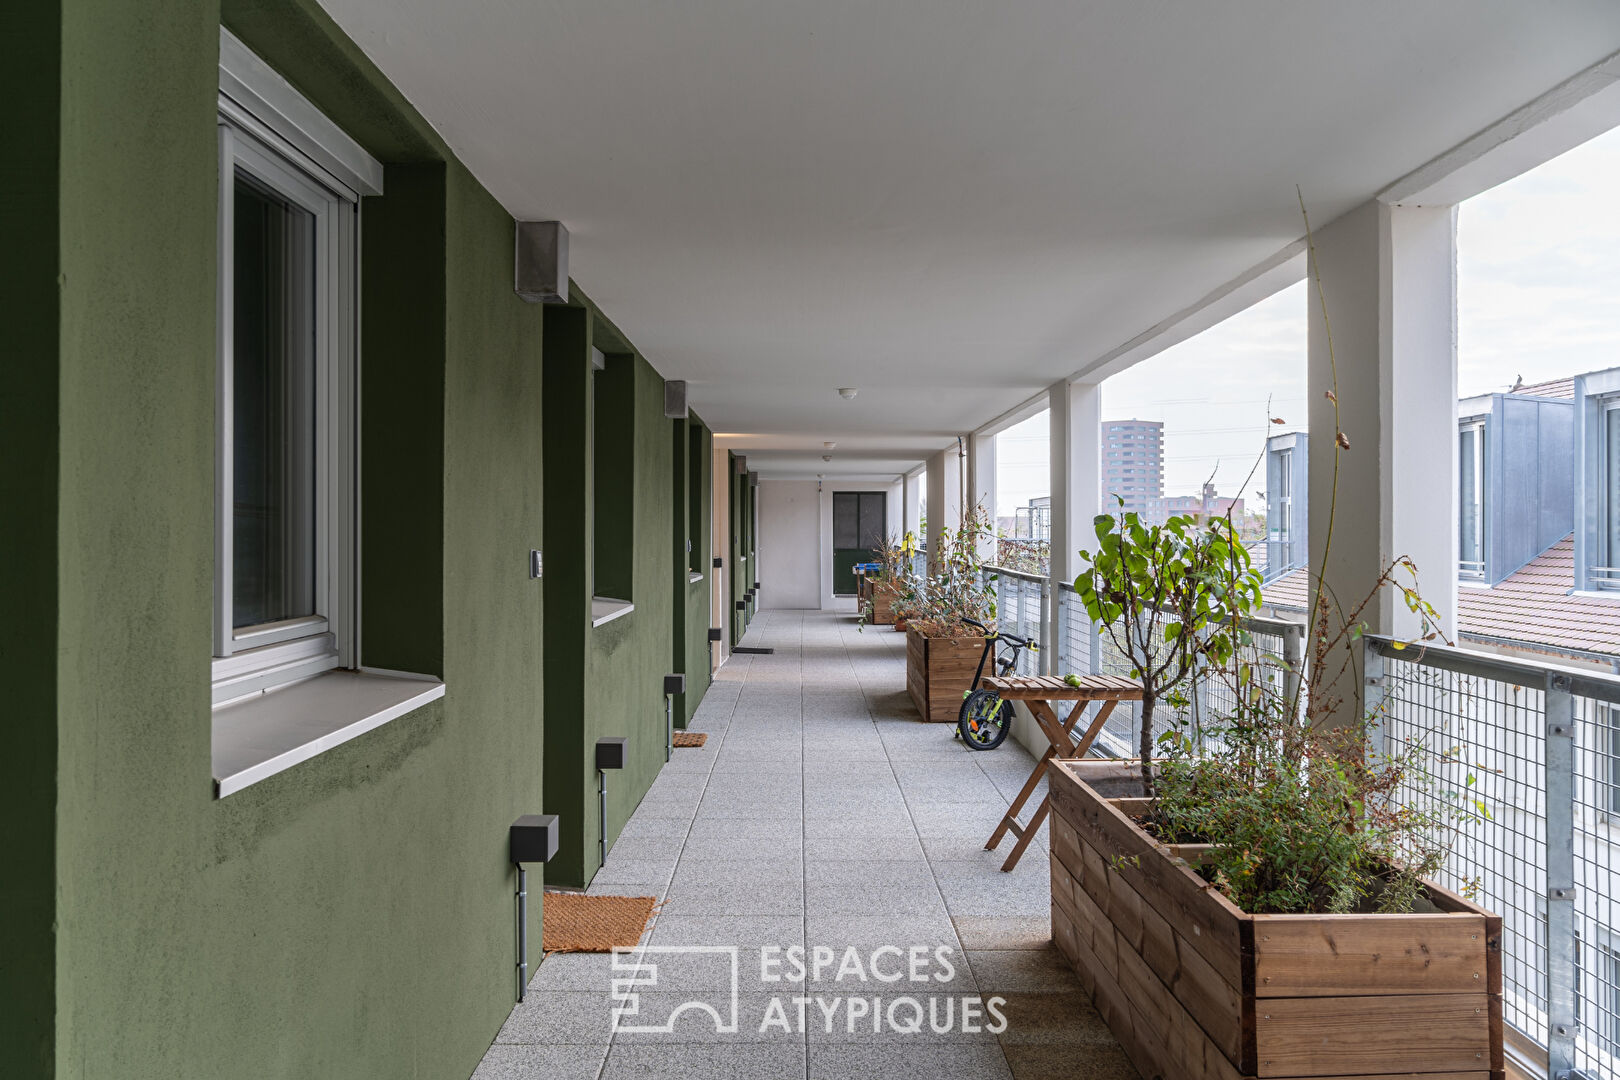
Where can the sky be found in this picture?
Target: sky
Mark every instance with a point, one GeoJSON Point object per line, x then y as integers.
{"type": "Point", "coordinates": [1538, 295]}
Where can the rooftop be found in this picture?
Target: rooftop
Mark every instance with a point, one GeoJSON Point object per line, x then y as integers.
{"type": "Point", "coordinates": [1536, 605]}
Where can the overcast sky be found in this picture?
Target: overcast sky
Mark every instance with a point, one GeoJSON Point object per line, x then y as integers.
{"type": "Point", "coordinates": [1538, 295]}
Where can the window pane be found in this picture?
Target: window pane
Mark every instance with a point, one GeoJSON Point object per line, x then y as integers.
{"type": "Point", "coordinates": [273, 409]}
{"type": "Point", "coordinates": [871, 519]}
{"type": "Point", "coordinates": [846, 520]}
{"type": "Point", "coordinates": [1611, 418]}
{"type": "Point", "coordinates": [1467, 494]}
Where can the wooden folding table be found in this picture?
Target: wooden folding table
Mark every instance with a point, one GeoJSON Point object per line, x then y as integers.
{"type": "Point", "coordinates": [1038, 691]}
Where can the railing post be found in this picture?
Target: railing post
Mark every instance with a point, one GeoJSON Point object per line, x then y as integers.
{"type": "Point", "coordinates": [1294, 658]}
{"type": "Point", "coordinates": [1095, 634]}
{"type": "Point", "coordinates": [1372, 690]}
{"type": "Point", "coordinates": [1561, 941]}
{"type": "Point", "coordinates": [1048, 643]}
{"type": "Point", "coordinates": [1200, 704]}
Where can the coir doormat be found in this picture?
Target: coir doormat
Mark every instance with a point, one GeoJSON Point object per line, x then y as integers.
{"type": "Point", "coordinates": [573, 922]}
{"type": "Point", "coordinates": [691, 738]}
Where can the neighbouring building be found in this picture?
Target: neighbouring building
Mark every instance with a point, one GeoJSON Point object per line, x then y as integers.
{"type": "Point", "coordinates": [1132, 464]}
{"type": "Point", "coordinates": [1206, 504]}
{"type": "Point", "coordinates": [1538, 469]}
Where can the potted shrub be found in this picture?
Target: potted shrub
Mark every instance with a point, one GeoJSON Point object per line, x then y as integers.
{"type": "Point", "coordinates": [888, 585]}
{"type": "Point", "coordinates": [942, 652]}
{"type": "Point", "coordinates": [1170, 598]}
{"type": "Point", "coordinates": [1256, 902]}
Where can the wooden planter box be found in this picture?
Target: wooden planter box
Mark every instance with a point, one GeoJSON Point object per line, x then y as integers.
{"type": "Point", "coordinates": [1193, 987]}
{"type": "Point", "coordinates": [882, 597]}
{"type": "Point", "coordinates": [939, 672]}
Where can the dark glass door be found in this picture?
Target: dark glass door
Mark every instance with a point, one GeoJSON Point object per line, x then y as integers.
{"type": "Point", "coordinates": [859, 526]}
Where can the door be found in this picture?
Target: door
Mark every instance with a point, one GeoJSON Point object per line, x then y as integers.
{"type": "Point", "coordinates": [859, 525]}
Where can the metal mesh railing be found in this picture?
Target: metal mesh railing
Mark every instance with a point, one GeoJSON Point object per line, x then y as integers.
{"type": "Point", "coordinates": [1021, 610]}
{"type": "Point", "coordinates": [1534, 751]}
{"type": "Point", "coordinates": [1273, 654]}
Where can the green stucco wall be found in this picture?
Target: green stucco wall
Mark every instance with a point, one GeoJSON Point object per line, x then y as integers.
{"type": "Point", "coordinates": [352, 916]}
{"type": "Point", "coordinates": [608, 679]}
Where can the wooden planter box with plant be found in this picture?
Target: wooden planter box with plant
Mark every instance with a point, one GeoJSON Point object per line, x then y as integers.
{"type": "Point", "coordinates": [1193, 986]}
{"type": "Point", "coordinates": [1251, 896]}
{"type": "Point", "coordinates": [939, 673]}
{"type": "Point", "coordinates": [882, 597]}
{"type": "Point", "coordinates": [942, 651]}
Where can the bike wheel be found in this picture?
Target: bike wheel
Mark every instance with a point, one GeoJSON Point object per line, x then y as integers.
{"type": "Point", "coordinates": [982, 721]}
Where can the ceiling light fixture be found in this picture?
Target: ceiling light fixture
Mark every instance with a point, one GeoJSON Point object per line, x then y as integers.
{"type": "Point", "coordinates": [830, 445]}
{"type": "Point", "coordinates": [826, 457]}
{"type": "Point", "coordinates": [847, 393]}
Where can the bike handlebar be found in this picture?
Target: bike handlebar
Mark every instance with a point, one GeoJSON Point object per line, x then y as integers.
{"type": "Point", "coordinates": [1021, 642]}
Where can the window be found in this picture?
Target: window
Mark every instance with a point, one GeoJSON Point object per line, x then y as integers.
{"type": "Point", "coordinates": [696, 561]}
{"type": "Point", "coordinates": [284, 583]}
{"type": "Point", "coordinates": [1471, 500]}
{"type": "Point", "coordinates": [1607, 575]}
{"type": "Point", "coordinates": [1285, 495]}
{"type": "Point", "coordinates": [614, 485]}
{"type": "Point", "coordinates": [285, 574]}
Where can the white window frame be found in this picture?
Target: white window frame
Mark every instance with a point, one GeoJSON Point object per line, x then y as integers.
{"type": "Point", "coordinates": [1474, 570]}
{"type": "Point", "coordinates": [271, 133]}
{"type": "Point", "coordinates": [1604, 573]}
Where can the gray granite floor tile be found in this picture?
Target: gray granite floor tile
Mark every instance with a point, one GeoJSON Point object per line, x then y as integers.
{"type": "Point", "coordinates": [532, 1062]}
{"type": "Point", "coordinates": [1008, 970]}
{"type": "Point", "coordinates": [875, 1060]}
{"type": "Point", "coordinates": [698, 1061]}
{"type": "Point", "coordinates": [550, 1017]}
{"type": "Point", "coordinates": [821, 817]}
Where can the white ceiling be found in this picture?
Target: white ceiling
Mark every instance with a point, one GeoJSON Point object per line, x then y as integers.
{"type": "Point", "coordinates": [946, 203]}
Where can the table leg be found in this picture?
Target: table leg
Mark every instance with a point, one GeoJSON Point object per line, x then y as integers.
{"type": "Point", "coordinates": [1049, 725]}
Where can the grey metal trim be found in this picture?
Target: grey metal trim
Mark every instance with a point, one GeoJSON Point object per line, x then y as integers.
{"type": "Point", "coordinates": [1019, 575]}
{"type": "Point", "coordinates": [260, 89]}
{"type": "Point", "coordinates": [1590, 684]}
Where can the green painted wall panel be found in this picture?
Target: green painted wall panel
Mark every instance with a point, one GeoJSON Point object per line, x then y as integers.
{"type": "Point", "coordinates": [29, 264]}
{"type": "Point", "coordinates": [569, 499]}
{"type": "Point", "coordinates": [697, 616]}
{"type": "Point", "coordinates": [402, 376]}
{"type": "Point", "coordinates": [627, 658]}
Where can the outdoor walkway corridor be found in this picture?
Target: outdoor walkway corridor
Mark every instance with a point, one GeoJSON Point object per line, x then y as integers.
{"type": "Point", "coordinates": [821, 815]}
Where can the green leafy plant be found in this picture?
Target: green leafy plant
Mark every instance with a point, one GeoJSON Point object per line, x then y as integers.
{"type": "Point", "coordinates": [1169, 597]}
{"type": "Point", "coordinates": [1301, 819]}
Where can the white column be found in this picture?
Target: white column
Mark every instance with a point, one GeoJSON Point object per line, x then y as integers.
{"type": "Point", "coordinates": [911, 504]}
{"type": "Point", "coordinates": [1074, 412]}
{"type": "Point", "coordinates": [1389, 274]}
{"type": "Point", "coordinates": [981, 486]}
{"type": "Point", "coordinates": [944, 496]}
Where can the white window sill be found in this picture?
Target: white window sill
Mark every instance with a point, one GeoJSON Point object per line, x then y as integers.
{"type": "Point", "coordinates": [694, 577]}
{"type": "Point", "coordinates": [259, 736]}
{"type": "Point", "coordinates": [605, 610]}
